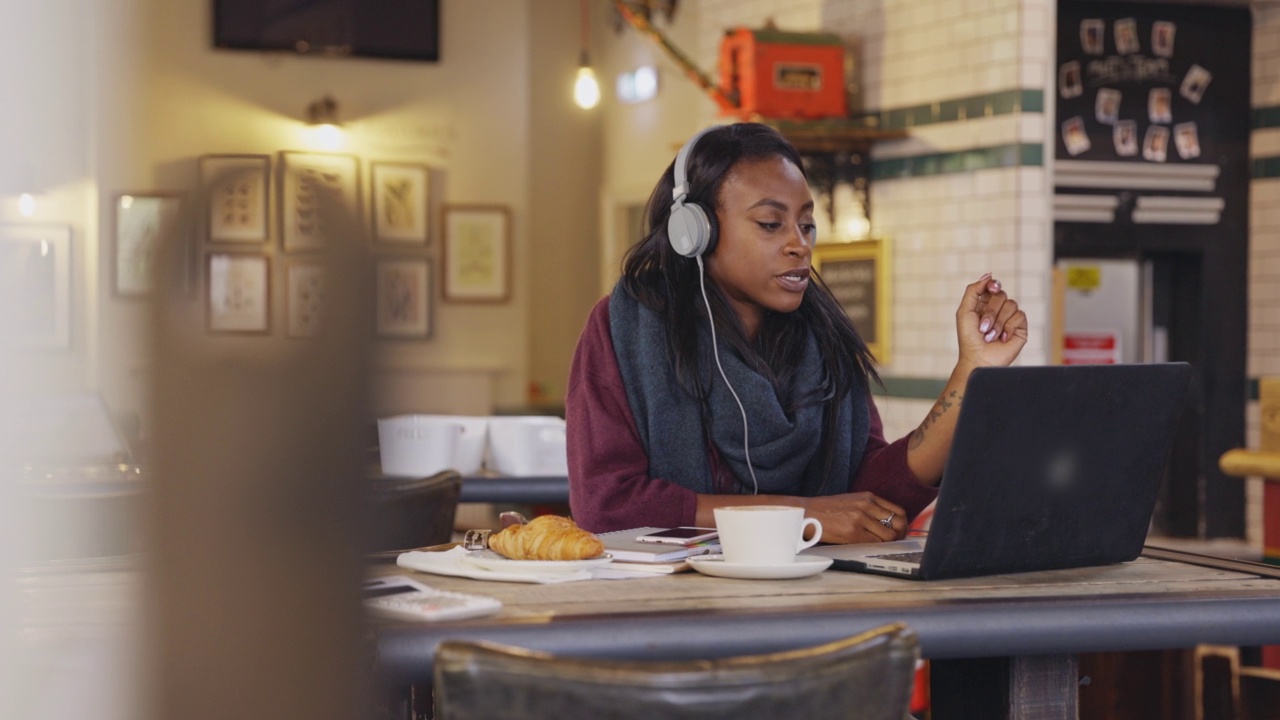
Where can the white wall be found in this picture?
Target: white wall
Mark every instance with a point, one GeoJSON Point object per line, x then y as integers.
{"type": "Point", "coordinates": [468, 115]}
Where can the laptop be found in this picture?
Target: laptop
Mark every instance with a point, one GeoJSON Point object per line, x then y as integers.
{"type": "Point", "coordinates": [1051, 467]}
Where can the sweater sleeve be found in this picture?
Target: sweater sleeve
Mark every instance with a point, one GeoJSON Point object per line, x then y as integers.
{"type": "Point", "coordinates": [884, 471]}
{"type": "Point", "coordinates": [609, 483]}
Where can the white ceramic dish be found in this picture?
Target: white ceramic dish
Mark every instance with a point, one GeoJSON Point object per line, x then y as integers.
{"type": "Point", "coordinates": [490, 560]}
{"type": "Point", "coordinates": [804, 566]}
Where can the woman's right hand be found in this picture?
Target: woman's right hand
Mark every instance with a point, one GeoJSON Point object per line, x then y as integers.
{"type": "Point", "coordinates": [857, 518]}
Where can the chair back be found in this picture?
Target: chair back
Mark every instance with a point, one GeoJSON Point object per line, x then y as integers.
{"type": "Point", "coordinates": [409, 513]}
{"type": "Point", "coordinates": [867, 676]}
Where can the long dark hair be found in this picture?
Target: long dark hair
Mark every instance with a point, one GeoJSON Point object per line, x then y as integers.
{"type": "Point", "coordinates": [668, 283]}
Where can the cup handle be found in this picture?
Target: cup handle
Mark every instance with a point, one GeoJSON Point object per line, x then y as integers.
{"type": "Point", "coordinates": [817, 533]}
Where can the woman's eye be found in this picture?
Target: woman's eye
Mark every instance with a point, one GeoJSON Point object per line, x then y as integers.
{"type": "Point", "coordinates": [770, 226]}
{"type": "Point", "coordinates": [808, 228]}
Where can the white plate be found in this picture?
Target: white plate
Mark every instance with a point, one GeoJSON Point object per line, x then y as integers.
{"type": "Point", "coordinates": [804, 566]}
{"type": "Point", "coordinates": [490, 560]}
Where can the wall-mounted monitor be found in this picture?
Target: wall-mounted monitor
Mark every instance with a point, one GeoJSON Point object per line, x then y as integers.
{"type": "Point", "coordinates": [396, 29]}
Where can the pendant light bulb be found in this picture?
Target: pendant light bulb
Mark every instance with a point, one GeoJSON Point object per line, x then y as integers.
{"type": "Point", "coordinates": [586, 89]}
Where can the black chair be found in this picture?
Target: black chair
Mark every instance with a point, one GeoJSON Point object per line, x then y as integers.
{"type": "Point", "coordinates": [867, 676]}
{"type": "Point", "coordinates": [409, 513]}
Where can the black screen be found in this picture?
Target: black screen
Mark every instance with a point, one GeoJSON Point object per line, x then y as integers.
{"type": "Point", "coordinates": [403, 29]}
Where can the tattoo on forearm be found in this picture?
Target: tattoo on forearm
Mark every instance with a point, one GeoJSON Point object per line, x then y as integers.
{"type": "Point", "coordinates": [939, 409]}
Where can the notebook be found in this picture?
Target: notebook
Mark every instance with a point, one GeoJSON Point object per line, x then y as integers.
{"type": "Point", "coordinates": [1050, 467]}
{"type": "Point", "coordinates": [623, 546]}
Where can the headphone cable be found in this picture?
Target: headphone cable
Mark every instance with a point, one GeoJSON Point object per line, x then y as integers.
{"type": "Point", "coordinates": [715, 350]}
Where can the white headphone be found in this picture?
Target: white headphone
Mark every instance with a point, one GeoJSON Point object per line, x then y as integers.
{"type": "Point", "coordinates": [690, 228]}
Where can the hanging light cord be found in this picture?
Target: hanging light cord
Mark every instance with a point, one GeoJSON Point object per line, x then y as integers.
{"type": "Point", "coordinates": [585, 39]}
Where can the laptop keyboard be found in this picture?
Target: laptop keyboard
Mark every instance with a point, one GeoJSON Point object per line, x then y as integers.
{"type": "Point", "coordinates": [914, 557]}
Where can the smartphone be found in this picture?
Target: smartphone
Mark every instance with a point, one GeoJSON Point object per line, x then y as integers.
{"type": "Point", "coordinates": [681, 536]}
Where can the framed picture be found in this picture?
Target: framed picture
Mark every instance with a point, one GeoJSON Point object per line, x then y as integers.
{"type": "Point", "coordinates": [400, 209]}
{"type": "Point", "coordinates": [142, 220]}
{"type": "Point", "coordinates": [302, 178]}
{"type": "Point", "coordinates": [304, 298]}
{"type": "Point", "coordinates": [476, 249]}
{"type": "Point", "coordinates": [237, 194]}
{"type": "Point", "coordinates": [858, 275]}
{"type": "Point", "coordinates": [35, 284]}
{"type": "Point", "coordinates": [239, 293]}
{"type": "Point", "coordinates": [404, 298]}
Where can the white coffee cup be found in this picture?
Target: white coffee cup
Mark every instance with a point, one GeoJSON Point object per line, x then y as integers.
{"type": "Point", "coordinates": [764, 534]}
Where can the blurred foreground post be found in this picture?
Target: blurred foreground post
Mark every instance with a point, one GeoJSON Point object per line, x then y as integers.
{"type": "Point", "coordinates": [252, 601]}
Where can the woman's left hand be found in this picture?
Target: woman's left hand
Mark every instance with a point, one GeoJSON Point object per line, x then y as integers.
{"type": "Point", "coordinates": [991, 328]}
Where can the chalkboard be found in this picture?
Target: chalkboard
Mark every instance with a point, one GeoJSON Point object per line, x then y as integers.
{"type": "Point", "coordinates": [857, 275]}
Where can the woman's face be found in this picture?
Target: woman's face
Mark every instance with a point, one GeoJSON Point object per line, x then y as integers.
{"type": "Point", "coordinates": [761, 261]}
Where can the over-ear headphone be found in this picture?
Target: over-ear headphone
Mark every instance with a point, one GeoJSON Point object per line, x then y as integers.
{"type": "Point", "coordinates": [690, 228]}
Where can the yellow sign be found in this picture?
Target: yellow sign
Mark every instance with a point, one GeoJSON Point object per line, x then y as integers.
{"type": "Point", "coordinates": [1084, 278]}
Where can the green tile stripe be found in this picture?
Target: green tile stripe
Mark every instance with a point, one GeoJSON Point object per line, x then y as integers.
{"type": "Point", "coordinates": [782, 37]}
{"type": "Point", "coordinates": [966, 108]}
{"type": "Point", "coordinates": [999, 156]}
{"type": "Point", "coordinates": [1266, 117]}
{"type": "Point", "coordinates": [1266, 167]}
{"type": "Point", "coordinates": [910, 388]}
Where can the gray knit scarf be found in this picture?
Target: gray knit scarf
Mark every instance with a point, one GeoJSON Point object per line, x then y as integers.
{"type": "Point", "coordinates": [784, 449]}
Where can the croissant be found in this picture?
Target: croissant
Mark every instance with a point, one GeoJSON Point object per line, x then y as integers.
{"type": "Point", "coordinates": [546, 537]}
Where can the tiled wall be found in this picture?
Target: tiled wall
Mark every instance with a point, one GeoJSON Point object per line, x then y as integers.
{"type": "Point", "coordinates": [1264, 229]}
{"type": "Point", "coordinates": [966, 192]}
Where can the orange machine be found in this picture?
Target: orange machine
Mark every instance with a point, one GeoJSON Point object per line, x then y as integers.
{"type": "Point", "coordinates": [783, 75]}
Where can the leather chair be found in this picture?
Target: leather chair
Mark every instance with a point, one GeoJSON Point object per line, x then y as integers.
{"type": "Point", "coordinates": [409, 513]}
{"type": "Point", "coordinates": [867, 676]}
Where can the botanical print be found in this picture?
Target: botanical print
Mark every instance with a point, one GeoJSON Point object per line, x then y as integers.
{"type": "Point", "coordinates": [400, 203]}
{"type": "Point", "coordinates": [403, 298]}
{"type": "Point", "coordinates": [237, 187]}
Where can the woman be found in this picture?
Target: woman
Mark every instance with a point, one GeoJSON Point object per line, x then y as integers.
{"type": "Point", "coordinates": [656, 407]}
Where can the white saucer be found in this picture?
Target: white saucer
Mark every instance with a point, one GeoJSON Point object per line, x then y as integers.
{"type": "Point", "coordinates": [490, 560]}
{"type": "Point", "coordinates": [804, 566]}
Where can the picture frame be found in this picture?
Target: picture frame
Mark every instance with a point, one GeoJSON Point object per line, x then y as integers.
{"type": "Point", "coordinates": [301, 174]}
{"type": "Point", "coordinates": [238, 193]}
{"type": "Point", "coordinates": [399, 195]}
{"type": "Point", "coordinates": [475, 252]}
{"type": "Point", "coordinates": [858, 275]}
{"type": "Point", "coordinates": [140, 221]}
{"type": "Point", "coordinates": [35, 284]}
{"type": "Point", "coordinates": [304, 283]}
{"type": "Point", "coordinates": [238, 292]}
{"type": "Point", "coordinates": [404, 293]}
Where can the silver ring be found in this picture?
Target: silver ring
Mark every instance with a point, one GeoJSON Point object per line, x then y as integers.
{"type": "Point", "coordinates": [888, 522]}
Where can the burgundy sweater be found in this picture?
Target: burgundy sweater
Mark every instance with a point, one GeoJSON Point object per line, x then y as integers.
{"type": "Point", "coordinates": [609, 483]}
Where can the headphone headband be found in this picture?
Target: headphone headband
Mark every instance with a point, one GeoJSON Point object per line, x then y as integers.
{"type": "Point", "coordinates": [681, 188]}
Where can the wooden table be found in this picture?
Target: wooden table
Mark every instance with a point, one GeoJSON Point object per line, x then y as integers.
{"type": "Point", "coordinates": [1029, 625]}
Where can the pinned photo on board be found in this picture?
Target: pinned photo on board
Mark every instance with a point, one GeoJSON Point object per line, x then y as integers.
{"type": "Point", "coordinates": [1187, 140]}
{"type": "Point", "coordinates": [1069, 83]}
{"type": "Point", "coordinates": [1125, 137]}
{"type": "Point", "coordinates": [1107, 106]}
{"type": "Point", "coordinates": [1160, 105]}
{"type": "Point", "coordinates": [1127, 36]}
{"type": "Point", "coordinates": [1074, 136]}
{"type": "Point", "coordinates": [1156, 145]}
{"type": "Point", "coordinates": [1092, 32]}
{"type": "Point", "coordinates": [1162, 33]}
{"type": "Point", "coordinates": [1194, 84]}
